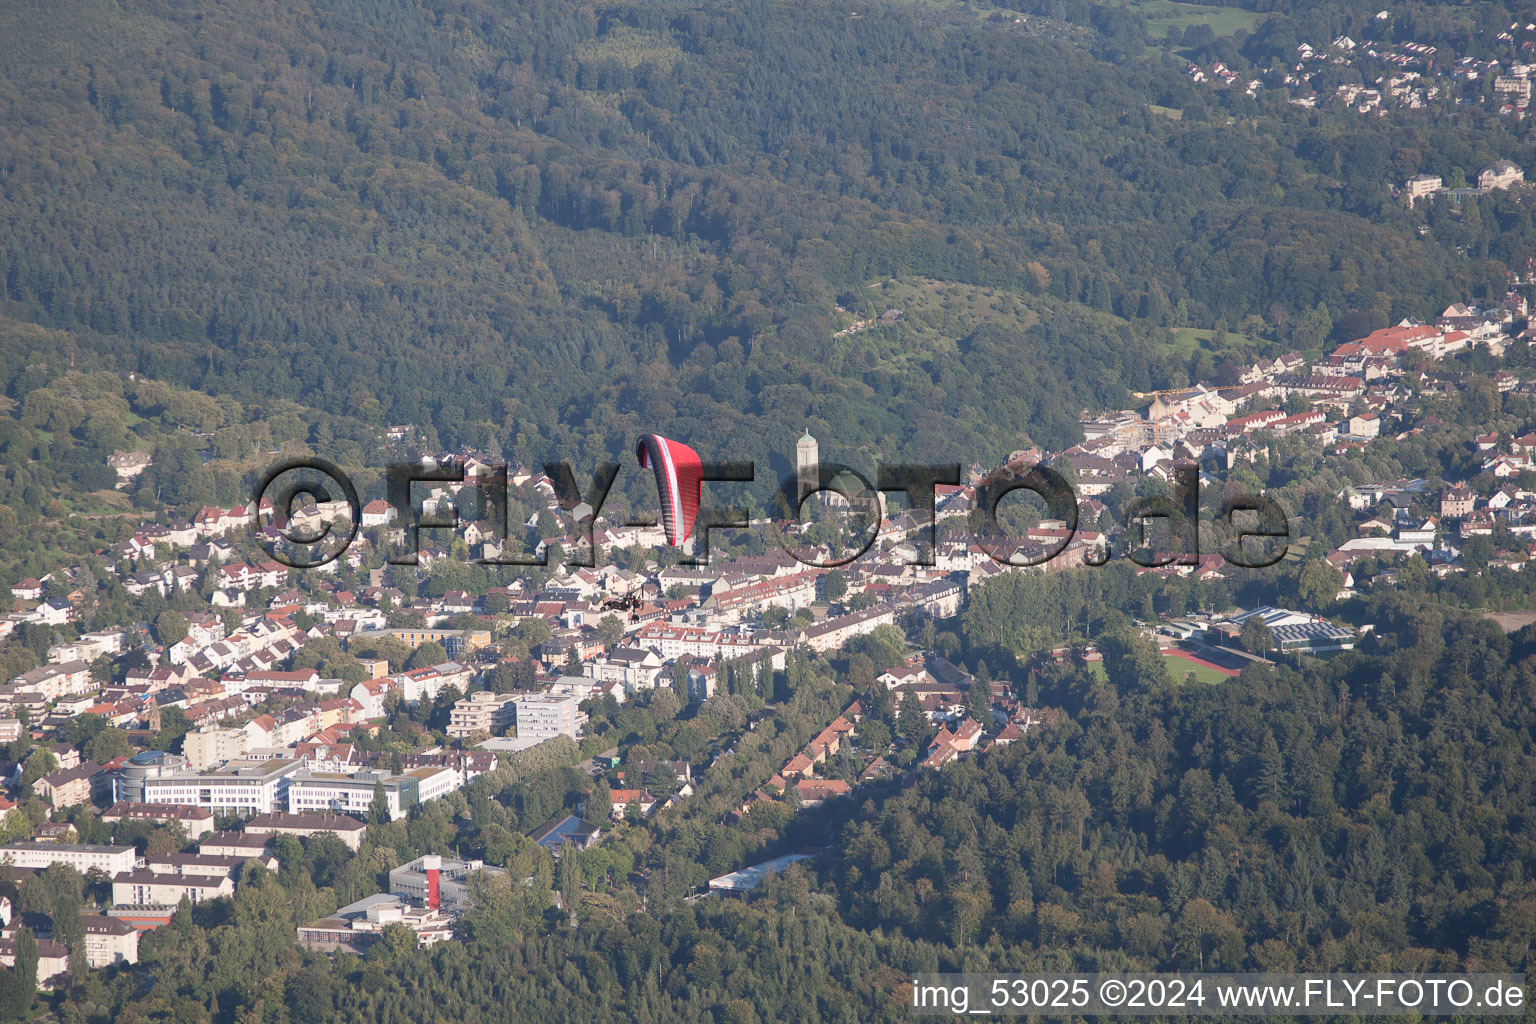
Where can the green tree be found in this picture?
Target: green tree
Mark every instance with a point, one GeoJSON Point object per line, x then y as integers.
{"type": "Point", "coordinates": [428, 654]}
{"type": "Point", "coordinates": [911, 721]}
{"type": "Point", "coordinates": [979, 701]}
{"type": "Point", "coordinates": [610, 630]}
{"type": "Point", "coordinates": [1476, 552]}
{"type": "Point", "coordinates": [1318, 584]}
{"type": "Point", "coordinates": [108, 743]}
{"type": "Point", "coordinates": [1131, 660]}
{"type": "Point", "coordinates": [25, 970]}
{"type": "Point", "coordinates": [396, 944]}
{"type": "Point", "coordinates": [39, 763]}
{"type": "Point", "coordinates": [599, 802]}
{"type": "Point", "coordinates": [310, 995]}
{"type": "Point", "coordinates": [171, 627]}
{"type": "Point", "coordinates": [173, 726]}
{"type": "Point", "coordinates": [1256, 636]}
{"type": "Point", "coordinates": [378, 808]}
{"type": "Point", "coordinates": [1270, 783]}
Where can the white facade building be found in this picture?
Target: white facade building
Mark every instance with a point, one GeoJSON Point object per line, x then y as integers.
{"type": "Point", "coordinates": [333, 793]}
{"type": "Point", "coordinates": [82, 858]}
{"type": "Point", "coordinates": [239, 788]}
{"type": "Point", "coordinates": [544, 716]}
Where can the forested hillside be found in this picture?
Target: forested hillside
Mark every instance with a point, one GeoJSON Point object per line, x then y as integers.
{"type": "Point", "coordinates": [545, 227]}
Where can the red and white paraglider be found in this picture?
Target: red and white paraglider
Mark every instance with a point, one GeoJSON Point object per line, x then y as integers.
{"type": "Point", "coordinates": [679, 481]}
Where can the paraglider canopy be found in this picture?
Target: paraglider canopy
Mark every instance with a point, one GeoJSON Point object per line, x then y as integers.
{"type": "Point", "coordinates": [679, 480]}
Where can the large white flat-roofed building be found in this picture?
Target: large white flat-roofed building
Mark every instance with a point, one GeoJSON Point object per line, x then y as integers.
{"type": "Point", "coordinates": [509, 744]}
{"type": "Point", "coordinates": [750, 878]}
{"type": "Point", "coordinates": [414, 881]}
{"type": "Point", "coordinates": [333, 793]}
{"type": "Point", "coordinates": [154, 889]}
{"type": "Point", "coordinates": [1293, 631]}
{"type": "Point", "coordinates": [79, 856]}
{"type": "Point", "coordinates": [239, 788]}
{"type": "Point", "coordinates": [546, 715]}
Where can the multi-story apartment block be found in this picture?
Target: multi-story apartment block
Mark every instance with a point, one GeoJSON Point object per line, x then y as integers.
{"type": "Point", "coordinates": [79, 856]}
{"type": "Point", "coordinates": [109, 941]}
{"type": "Point", "coordinates": [483, 711]}
{"type": "Point", "coordinates": [208, 747]}
{"type": "Point", "coordinates": [546, 715]}
{"type": "Point", "coordinates": [154, 889]}
{"type": "Point", "coordinates": [55, 681]}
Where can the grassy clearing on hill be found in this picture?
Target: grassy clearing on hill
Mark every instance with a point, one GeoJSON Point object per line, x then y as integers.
{"type": "Point", "coordinates": [1167, 16]}
{"type": "Point", "coordinates": [1186, 340]}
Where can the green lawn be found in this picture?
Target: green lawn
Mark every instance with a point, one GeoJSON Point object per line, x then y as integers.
{"type": "Point", "coordinates": [1186, 340]}
{"type": "Point", "coordinates": [1165, 16]}
{"type": "Point", "coordinates": [1179, 669]}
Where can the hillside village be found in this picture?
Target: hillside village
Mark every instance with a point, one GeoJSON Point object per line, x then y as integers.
{"type": "Point", "coordinates": [1382, 75]}
{"type": "Point", "coordinates": [230, 729]}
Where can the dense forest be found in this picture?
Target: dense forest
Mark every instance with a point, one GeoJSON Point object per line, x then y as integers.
{"type": "Point", "coordinates": [545, 227]}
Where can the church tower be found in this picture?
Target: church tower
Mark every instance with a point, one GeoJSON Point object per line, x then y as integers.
{"type": "Point", "coordinates": [807, 464]}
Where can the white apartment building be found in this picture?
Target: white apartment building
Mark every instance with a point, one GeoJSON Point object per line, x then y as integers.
{"type": "Point", "coordinates": [152, 889]}
{"type": "Point", "coordinates": [1421, 185]}
{"type": "Point", "coordinates": [55, 681]}
{"type": "Point", "coordinates": [206, 748]}
{"type": "Point", "coordinates": [239, 788]}
{"type": "Point", "coordinates": [633, 668]}
{"type": "Point", "coordinates": [483, 711]}
{"type": "Point", "coordinates": [545, 715]}
{"type": "Point", "coordinates": [88, 647]}
{"type": "Point", "coordinates": [109, 941]}
{"type": "Point", "coordinates": [82, 858]}
{"type": "Point", "coordinates": [677, 641]}
{"type": "Point", "coordinates": [426, 683]}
